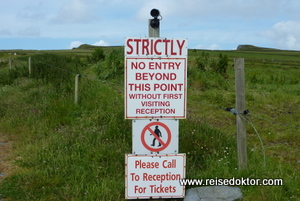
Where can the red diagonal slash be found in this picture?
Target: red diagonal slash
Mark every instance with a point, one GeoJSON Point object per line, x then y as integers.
{"type": "Point", "coordinates": [164, 144]}
{"type": "Point", "coordinates": [158, 138]}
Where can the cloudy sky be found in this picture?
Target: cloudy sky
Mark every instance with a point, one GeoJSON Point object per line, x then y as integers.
{"type": "Point", "coordinates": [208, 24]}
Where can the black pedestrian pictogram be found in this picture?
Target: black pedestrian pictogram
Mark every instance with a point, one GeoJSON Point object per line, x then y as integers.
{"type": "Point", "coordinates": [157, 134]}
{"type": "Point", "coordinates": [157, 129]}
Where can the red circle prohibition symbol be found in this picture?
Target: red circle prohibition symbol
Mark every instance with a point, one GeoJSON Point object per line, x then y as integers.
{"type": "Point", "coordinates": [164, 145]}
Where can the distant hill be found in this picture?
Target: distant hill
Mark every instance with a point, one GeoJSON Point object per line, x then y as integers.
{"type": "Point", "coordinates": [86, 47]}
{"type": "Point", "coordinates": [254, 48]}
{"type": "Point", "coordinates": [93, 47]}
{"type": "Point", "coordinates": [239, 48]}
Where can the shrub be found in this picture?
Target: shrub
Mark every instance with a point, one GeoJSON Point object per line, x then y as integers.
{"type": "Point", "coordinates": [97, 55]}
{"type": "Point", "coordinates": [201, 62]}
{"type": "Point", "coordinates": [222, 65]}
{"type": "Point", "coordinates": [112, 66]}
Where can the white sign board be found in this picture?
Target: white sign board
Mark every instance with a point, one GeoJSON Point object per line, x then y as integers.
{"type": "Point", "coordinates": [155, 136]}
{"type": "Point", "coordinates": [149, 176]}
{"type": "Point", "coordinates": [155, 78]}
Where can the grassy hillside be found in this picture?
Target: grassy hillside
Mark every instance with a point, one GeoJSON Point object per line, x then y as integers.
{"type": "Point", "coordinates": [255, 48]}
{"type": "Point", "coordinates": [64, 151]}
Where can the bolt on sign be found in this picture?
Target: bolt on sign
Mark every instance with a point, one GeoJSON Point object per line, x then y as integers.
{"type": "Point", "coordinates": [154, 176]}
{"type": "Point", "coordinates": [155, 78]}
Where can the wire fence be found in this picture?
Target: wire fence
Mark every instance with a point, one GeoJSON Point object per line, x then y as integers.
{"type": "Point", "coordinates": [79, 74]}
{"type": "Point", "coordinates": [247, 112]}
{"type": "Point", "coordinates": [246, 115]}
{"type": "Point", "coordinates": [228, 109]}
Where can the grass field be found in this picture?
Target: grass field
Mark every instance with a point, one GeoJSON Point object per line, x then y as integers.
{"type": "Point", "coordinates": [63, 151]}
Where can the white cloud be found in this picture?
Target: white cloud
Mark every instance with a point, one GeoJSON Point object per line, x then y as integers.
{"type": "Point", "coordinates": [31, 31]}
{"type": "Point", "coordinates": [32, 16]}
{"type": "Point", "coordinates": [101, 43]}
{"type": "Point", "coordinates": [75, 44]}
{"type": "Point", "coordinates": [208, 47]}
{"type": "Point", "coordinates": [198, 9]}
{"type": "Point", "coordinates": [75, 12]}
{"type": "Point", "coordinates": [5, 32]}
{"type": "Point", "coordinates": [214, 24]}
{"type": "Point", "coordinates": [165, 7]}
{"type": "Point", "coordinates": [285, 35]}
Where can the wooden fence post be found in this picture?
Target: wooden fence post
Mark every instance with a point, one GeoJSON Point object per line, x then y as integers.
{"type": "Point", "coordinates": [10, 63]}
{"type": "Point", "coordinates": [76, 88]}
{"type": "Point", "coordinates": [240, 107]}
{"type": "Point", "coordinates": [29, 65]}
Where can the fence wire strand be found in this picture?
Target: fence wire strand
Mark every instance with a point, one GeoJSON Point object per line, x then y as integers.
{"type": "Point", "coordinates": [50, 65]}
{"type": "Point", "coordinates": [82, 76]}
{"type": "Point", "coordinates": [229, 109]}
{"type": "Point", "coordinates": [233, 111]}
{"type": "Point", "coordinates": [275, 122]}
{"type": "Point", "coordinates": [259, 137]}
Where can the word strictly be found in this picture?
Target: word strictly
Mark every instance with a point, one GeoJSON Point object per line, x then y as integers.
{"type": "Point", "coordinates": [158, 47]}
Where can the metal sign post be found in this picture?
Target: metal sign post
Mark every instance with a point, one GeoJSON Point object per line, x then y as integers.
{"type": "Point", "coordinates": [154, 23]}
{"type": "Point", "coordinates": [153, 32]}
{"type": "Point", "coordinates": [155, 98]}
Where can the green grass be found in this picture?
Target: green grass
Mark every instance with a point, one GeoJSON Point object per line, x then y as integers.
{"type": "Point", "coordinates": [64, 151]}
